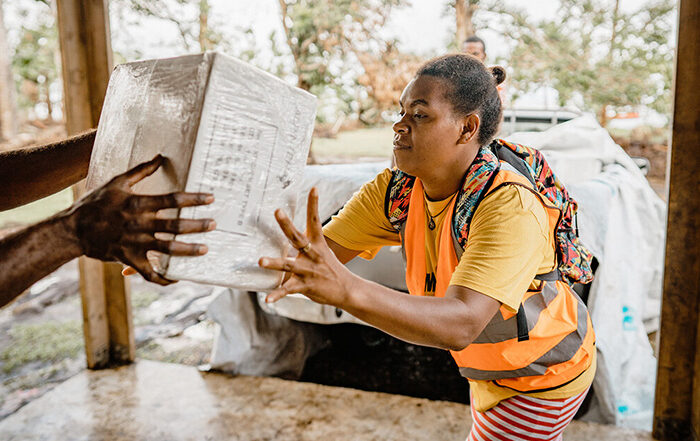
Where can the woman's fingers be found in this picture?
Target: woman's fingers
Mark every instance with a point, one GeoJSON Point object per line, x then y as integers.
{"type": "Point", "coordinates": [313, 221]}
{"type": "Point", "coordinates": [297, 239]}
{"type": "Point", "coordinates": [276, 294]}
{"type": "Point", "coordinates": [290, 287]}
{"type": "Point", "coordinates": [288, 265]}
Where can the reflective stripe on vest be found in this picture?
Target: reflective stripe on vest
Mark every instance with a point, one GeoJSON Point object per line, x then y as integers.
{"type": "Point", "coordinates": [561, 338]}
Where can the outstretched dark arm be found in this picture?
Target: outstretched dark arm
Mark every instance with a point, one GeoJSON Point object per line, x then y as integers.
{"type": "Point", "coordinates": [33, 173]}
{"type": "Point", "coordinates": [111, 223]}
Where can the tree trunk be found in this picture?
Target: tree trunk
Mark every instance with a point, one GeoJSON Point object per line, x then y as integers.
{"type": "Point", "coordinates": [204, 42]}
{"type": "Point", "coordinates": [294, 49]}
{"type": "Point", "coordinates": [8, 104]}
{"type": "Point", "coordinates": [603, 117]}
{"type": "Point", "coordinates": [613, 35]}
{"type": "Point", "coordinates": [49, 104]}
{"type": "Point", "coordinates": [614, 29]}
{"type": "Point", "coordinates": [464, 11]}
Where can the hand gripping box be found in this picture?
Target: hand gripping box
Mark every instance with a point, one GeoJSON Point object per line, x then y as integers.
{"type": "Point", "coordinates": [226, 128]}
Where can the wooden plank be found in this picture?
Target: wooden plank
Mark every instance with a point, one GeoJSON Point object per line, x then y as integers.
{"type": "Point", "coordinates": [95, 326]}
{"type": "Point", "coordinates": [86, 57]}
{"type": "Point", "coordinates": [677, 402]}
{"type": "Point", "coordinates": [122, 349]}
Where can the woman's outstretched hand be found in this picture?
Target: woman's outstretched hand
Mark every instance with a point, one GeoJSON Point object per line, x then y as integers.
{"type": "Point", "coordinates": [315, 271]}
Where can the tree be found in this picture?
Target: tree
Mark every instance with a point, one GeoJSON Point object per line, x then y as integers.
{"type": "Point", "coordinates": [464, 12]}
{"type": "Point", "coordinates": [190, 17]}
{"type": "Point", "coordinates": [327, 38]}
{"type": "Point", "coordinates": [320, 32]}
{"type": "Point", "coordinates": [385, 75]}
{"type": "Point", "coordinates": [8, 104]}
{"type": "Point", "coordinates": [35, 62]}
{"type": "Point", "coordinates": [596, 55]}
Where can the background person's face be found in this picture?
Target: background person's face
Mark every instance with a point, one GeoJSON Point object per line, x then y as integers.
{"type": "Point", "coordinates": [476, 49]}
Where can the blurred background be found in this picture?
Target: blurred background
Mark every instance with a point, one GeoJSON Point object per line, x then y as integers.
{"type": "Point", "coordinates": [612, 58]}
{"type": "Point", "coordinates": [609, 58]}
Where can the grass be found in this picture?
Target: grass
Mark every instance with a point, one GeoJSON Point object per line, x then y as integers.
{"type": "Point", "coordinates": [50, 341]}
{"type": "Point", "coordinates": [37, 210]}
{"type": "Point", "coordinates": [143, 299]}
{"type": "Point", "coordinates": [374, 142]}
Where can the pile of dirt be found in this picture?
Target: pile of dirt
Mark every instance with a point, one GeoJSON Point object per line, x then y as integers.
{"type": "Point", "coordinates": [656, 153]}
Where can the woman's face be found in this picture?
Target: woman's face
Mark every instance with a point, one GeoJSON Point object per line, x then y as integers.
{"type": "Point", "coordinates": [427, 134]}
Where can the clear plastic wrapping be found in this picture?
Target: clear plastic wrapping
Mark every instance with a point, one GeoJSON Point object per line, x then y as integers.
{"type": "Point", "coordinates": [226, 128]}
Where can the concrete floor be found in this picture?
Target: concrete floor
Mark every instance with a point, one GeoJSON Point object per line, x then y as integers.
{"type": "Point", "coordinates": [158, 401]}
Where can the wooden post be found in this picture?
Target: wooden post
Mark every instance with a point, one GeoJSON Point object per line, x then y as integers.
{"type": "Point", "coordinates": [677, 402]}
{"type": "Point", "coordinates": [86, 56]}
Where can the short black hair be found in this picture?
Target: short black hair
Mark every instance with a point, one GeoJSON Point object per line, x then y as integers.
{"type": "Point", "coordinates": [472, 89]}
{"type": "Point", "coordinates": [475, 39]}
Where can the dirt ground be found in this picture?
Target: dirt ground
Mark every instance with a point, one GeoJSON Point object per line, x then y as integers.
{"type": "Point", "coordinates": [156, 402]}
{"type": "Point", "coordinates": [41, 339]}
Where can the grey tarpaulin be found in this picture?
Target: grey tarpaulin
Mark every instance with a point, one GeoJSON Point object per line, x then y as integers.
{"type": "Point", "coordinates": [250, 341]}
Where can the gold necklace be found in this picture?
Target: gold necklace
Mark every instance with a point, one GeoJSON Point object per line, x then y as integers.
{"type": "Point", "coordinates": [431, 222]}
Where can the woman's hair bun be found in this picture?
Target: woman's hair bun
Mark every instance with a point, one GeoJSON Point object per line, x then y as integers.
{"type": "Point", "coordinates": [498, 73]}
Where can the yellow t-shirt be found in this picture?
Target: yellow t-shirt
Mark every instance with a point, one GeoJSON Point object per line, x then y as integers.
{"type": "Point", "coordinates": [509, 243]}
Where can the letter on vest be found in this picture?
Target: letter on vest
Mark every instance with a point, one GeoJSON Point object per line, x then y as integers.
{"type": "Point", "coordinates": [430, 282]}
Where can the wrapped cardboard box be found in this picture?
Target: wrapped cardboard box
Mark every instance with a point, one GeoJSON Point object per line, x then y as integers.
{"type": "Point", "coordinates": [226, 128]}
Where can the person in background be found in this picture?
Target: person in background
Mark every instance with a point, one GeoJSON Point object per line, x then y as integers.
{"type": "Point", "coordinates": [111, 223]}
{"type": "Point", "coordinates": [476, 47]}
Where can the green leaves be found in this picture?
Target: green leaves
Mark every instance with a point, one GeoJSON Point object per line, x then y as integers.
{"type": "Point", "coordinates": [597, 54]}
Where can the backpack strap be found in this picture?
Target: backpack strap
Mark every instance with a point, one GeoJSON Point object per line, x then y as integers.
{"type": "Point", "coordinates": [509, 156]}
{"type": "Point", "coordinates": [476, 184]}
{"type": "Point", "coordinates": [397, 198]}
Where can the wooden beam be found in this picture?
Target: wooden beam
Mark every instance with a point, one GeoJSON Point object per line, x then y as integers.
{"type": "Point", "coordinates": [86, 56]}
{"type": "Point", "coordinates": [677, 402]}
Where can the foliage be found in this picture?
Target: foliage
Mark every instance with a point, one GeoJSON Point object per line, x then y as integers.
{"type": "Point", "coordinates": [190, 17]}
{"type": "Point", "coordinates": [51, 341]}
{"type": "Point", "coordinates": [385, 75]}
{"type": "Point", "coordinates": [198, 24]}
{"type": "Point", "coordinates": [470, 16]}
{"type": "Point", "coordinates": [143, 298]}
{"type": "Point", "coordinates": [326, 36]}
{"type": "Point", "coordinates": [463, 11]}
{"type": "Point", "coordinates": [34, 61]}
{"type": "Point", "coordinates": [596, 55]}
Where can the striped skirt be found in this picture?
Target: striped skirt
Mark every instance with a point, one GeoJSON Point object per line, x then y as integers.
{"type": "Point", "coordinates": [525, 418]}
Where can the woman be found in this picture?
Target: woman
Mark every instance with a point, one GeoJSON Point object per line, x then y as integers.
{"type": "Point", "coordinates": [525, 344]}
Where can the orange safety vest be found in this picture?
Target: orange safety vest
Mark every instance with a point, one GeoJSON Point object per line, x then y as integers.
{"type": "Point", "coordinates": [560, 341]}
